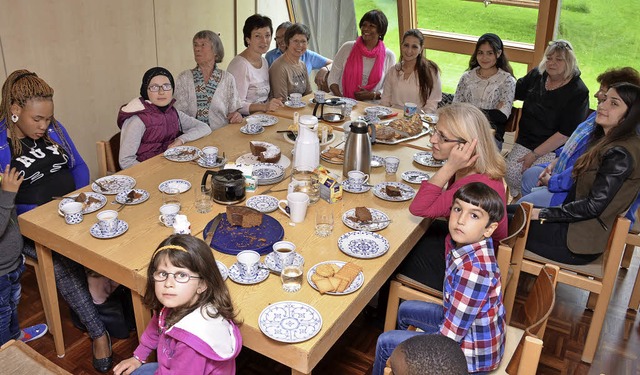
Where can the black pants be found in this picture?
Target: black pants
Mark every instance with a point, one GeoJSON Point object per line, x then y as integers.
{"type": "Point", "coordinates": [426, 262]}
{"type": "Point", "coordinates": [550, 241]}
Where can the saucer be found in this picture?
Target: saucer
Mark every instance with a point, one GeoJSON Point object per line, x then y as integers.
{"type": "Point", "coordinates": [363, 245]}
{"type": "Point", "coordinates": [346, 186]}
{"type": "Point", "coordinates": [270, 261]}
{"type": "Point", "coordinates": [97, 233]}
{"type": "Point", "coordinates": [220, 161]}
{"type": "Point", "coordinates": [290, 321]}
{"type": "Point", "coordinates": [414, 177]}
{"type": "Point", "coordinates": [244, 130]}
{"type": "Point", "coordinates": [234, 274]}
{"type": "Point", "coordinates": [426, 158]}
{"type": "Point", "coordinates": [406, 191]}
{"type": "Point", "coordinates": [224, 271]}
{"type": "Point", "coordinates": [264, 120]}
{"type": "Point", "coordinates": [97, 202]}
{"type": "Point", "coordinates": [291, 105]}
{"type": "Point", "coordinates": [377, 161]}
{"type": "Point", "coordinates": [181, 185]}
{"type": "Point", "coordinates": [263, 203]}
{"type": "Point", "coordinates": [122, 197]}
{"type": "Point", "coordinates": [182, 153]}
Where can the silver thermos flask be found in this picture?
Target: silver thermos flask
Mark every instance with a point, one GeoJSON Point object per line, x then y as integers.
{"type": "Point", "coordinates": [357, 149]}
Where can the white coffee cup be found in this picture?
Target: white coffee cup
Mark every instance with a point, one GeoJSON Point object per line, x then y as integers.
{"type": "Point", "coordinates": [297, 204]}
{"type": "Point", "coordinates": [210, 154]}
{"type": "Point", "coordinates": [168, 213]}
{"type": "Point", "coordinates": [391, 164]}
{"type": "Point", "coordinates": [248, 261]}
{"type": "Point", "coordinates": [72, 212]}
{"type": "Point", "coordinates": [295, 98]}
{"type": "Point", "coordinates": [285, 253]}
{"type": "Point", "coordinates": [108, 222]}
{"type": "Point", "coordinates": [254, 126]}
{"type": "Point", "coordinates": [318, 96]}
{"type": "Point", "coordinates": [357, 178]}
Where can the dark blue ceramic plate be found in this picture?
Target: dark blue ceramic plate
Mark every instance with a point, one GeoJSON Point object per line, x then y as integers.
{"type": "Point", "coordinates": [232, 240]}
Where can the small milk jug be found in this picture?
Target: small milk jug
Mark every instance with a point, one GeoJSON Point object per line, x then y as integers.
{"type": "Point", "coordinates": [357, 148]}
{"type": "Point", "coordinates": [181, 225]}
{"type": "Point", "coordinates": [306, 152]}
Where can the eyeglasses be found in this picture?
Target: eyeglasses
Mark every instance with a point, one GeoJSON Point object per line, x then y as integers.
{"type": "Point", "coordinates": [437, 133]}
{"type": "Point", "coordinates": [560, 44]}
{"type": "Point", "coordinates": [156, 88]}
{"type": "Point", "coordinates": [299, 42]}
{"type": "Point", "coordinates": [179, 277]}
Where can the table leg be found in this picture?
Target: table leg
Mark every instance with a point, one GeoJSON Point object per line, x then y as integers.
{"type": "Point", "coordinates": [142, 314]}
{"type": "Point", "coordinates": [45, 266]}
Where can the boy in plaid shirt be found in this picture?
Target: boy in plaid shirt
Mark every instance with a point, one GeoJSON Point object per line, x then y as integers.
{"type": "Point", "coordinates": [472, 313]}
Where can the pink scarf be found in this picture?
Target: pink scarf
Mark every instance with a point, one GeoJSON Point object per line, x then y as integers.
{"type": "Point", "coordinates": [352, 75]}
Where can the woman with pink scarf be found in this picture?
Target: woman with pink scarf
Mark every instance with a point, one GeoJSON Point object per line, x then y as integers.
{"type": "Point", "coordinates": [359, 66]}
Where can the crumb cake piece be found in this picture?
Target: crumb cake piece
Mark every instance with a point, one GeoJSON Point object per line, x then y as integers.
{"type": "Point", "coordinates": [245, 217]}
{"type": "Point", "coordinates": [266, 152]}
{"type": "Point", "coordinates": [363, 214]}
{"type": "Point", "coordinates": [392, 191]}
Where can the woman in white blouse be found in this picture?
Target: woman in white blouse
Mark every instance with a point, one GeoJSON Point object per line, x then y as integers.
{"type": "Point", "coordinates": [414, 79]}
{"type": "Point", "coordinates": [489, 83]}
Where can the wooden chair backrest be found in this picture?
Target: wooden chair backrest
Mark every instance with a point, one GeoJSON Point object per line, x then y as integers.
{"type": "Point", "coordinates": [108, 153]}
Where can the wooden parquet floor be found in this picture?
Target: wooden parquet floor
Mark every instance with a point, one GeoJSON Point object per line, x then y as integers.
{"type": "Point", "coordinates": [353, 354]}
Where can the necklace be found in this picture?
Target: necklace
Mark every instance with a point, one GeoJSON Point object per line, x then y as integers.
{"type": "Point", "coordinates": [552, 86]}
{"type": "Point", "coordinates": [35, 144]}
{"type": "Point", "coordinates": [486, 76]}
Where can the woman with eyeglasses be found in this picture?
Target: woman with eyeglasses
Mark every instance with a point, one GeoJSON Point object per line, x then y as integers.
{"type": "Point", "coordinates": [251, 69]}
{"type": "Point", "coordinates": [607, 181]}
{"type": "Point", "coordinates": [414, 79]}
{"type": "Point", "coordinates": [359, 66]}
{"type": "Point", "coordinates": [207, 92]}
{"type": "Point", "coordinates": [463, 137]}
{"type": "Point", "coordinates": [488, 83]}
{"type": "Point", "coordinates": [555, 102]}
{"type": "Point", "coordinates": [151, 124]}
{"type": "Point", "coordinates": [288, 74]}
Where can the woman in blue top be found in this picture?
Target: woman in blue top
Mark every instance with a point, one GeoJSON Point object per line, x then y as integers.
{"type": "Point", "coordinates": [39, 147]}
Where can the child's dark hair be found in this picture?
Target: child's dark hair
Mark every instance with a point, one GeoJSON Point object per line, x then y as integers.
{"type": "Point", "coordinates": [186, 251]}
{"type": "Point", "coordinates": [481, 195]}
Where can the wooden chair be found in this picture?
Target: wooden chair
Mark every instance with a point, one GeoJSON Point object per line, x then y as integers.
{"type": "Point", "coordinates": [405, 288]}
{"type": "Point", "coordinates": [17, 357]}
{"type": "Point", "coordinates": [597, 277]}
{"type": "Point", "coordinates": [107, 152]}
{"type": "Point", "coordinates": [633, 240]}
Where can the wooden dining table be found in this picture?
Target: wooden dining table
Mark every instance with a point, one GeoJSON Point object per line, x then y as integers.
{"type": "Point", "coordinates": [124, 259]}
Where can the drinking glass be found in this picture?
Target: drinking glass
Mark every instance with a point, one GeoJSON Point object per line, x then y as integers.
{"type": "Point", "coordinates": [203, 199]}
{"type": "Point", "coordinates": [291, 278]}
{"type": "Point", "coordinates": [324, 221]}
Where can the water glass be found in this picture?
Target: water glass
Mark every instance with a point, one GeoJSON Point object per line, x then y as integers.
{"type": "Point", "coordinates": [203, 199]}
{"type": "Point", "coordinates": [324, 221]}
{"type": "Point", "coordinates": [171, 196]}
{"type": "Point", "coordinates": [291, 277]}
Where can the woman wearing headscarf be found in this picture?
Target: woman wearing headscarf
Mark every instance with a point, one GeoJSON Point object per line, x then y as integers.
{"type": "Point", "coordinates": [151, 124]}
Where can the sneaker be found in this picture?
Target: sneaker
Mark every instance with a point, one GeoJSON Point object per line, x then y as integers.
{"type": "Point", "coordinates": [33, 332]}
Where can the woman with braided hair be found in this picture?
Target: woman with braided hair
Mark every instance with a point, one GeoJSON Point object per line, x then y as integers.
{"type": "Point", "coordinates": [41, 151]}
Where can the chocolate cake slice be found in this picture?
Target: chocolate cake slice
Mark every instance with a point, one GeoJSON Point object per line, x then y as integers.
{"type": "Point", "coordinates": [245, 217]}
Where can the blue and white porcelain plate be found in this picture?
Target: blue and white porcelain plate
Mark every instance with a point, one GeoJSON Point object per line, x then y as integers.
{"type": "Point", "coordinates": [414, 177]}
{"type": "Point", "coordinates": [351, 102]}
{"type": "Point", "coordinates": [122, 196]}
{"type": "Point", "coordinates": [270, 261]}
{"type": "Point", "coordinates": [182, 153]}
{"type": "Point", "coordinates": [406, 191]}
{"type": "Point", "coordinates": [426, 158]}
{"type": "Point", "coordinates": [181, 185]}
{"type": "Point", "coordinates": [291, 105]}
{"type": "Point", "coordinates": [251, 159]}
{"type": "Point", "coordinates": [265, 120]}
{"type": "Point", "coordinates": [379, 219]}
{"type": "Point", "coordinates": [263, 203]}
{"type": "Point", "coordinates": [355, 284]}
{"type": "Point", "coordinates": [267, 173]}
{"type": "Point", "coordinates": [349, 188]}
{"type": "Point", "coordinates": [377, 161]}
{"type": "Point", "coordinates": [97, 233]}
{"type": "Point", "coordinates": [363, 245]}
{"type": "Point", "coordinates": [244, 130]}
{"type": "Point", "coordinates": [290, 321]}
{"type": "Point", "coordinates": [113, 184]}
{"type": "Point", "coordinates": [224, 271]}
{"type": "Point", "coordinates": [382, 111]}
{"type": "Point", "coordinates": [219, 163]}
{"type": "Point", "coordinates": [92, 203]}
{"type": "Point", "coordinates": [234, 274]}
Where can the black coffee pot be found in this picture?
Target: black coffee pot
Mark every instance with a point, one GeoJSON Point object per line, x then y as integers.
{"type": "Point", "coordinates": [227, 185]}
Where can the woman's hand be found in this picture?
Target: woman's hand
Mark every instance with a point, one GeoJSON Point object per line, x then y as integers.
{"type": "Point", "coordinates": [273, 105]}
{"type": "Point", "coordinates": [127, 366]}
{"type": "Point", "coordinates": [527, 160]}
{"type": "Point", "coordinates": [11, 180]}
{"type": "Point", "coordinates": [335, 89]}
{"type": "Point", "coordinates": [176, 142]}
{"type": "Point", "coordinates": [535, 214]}
{"type": "Point", "coordinates": [321, 78]}
{"type": "Point", "coordinates": [463, 155]}
{"type": "Point", "coordinates": [234, 117]}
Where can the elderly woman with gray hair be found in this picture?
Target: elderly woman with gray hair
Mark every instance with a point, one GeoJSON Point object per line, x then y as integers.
{"type": "Point", "coordinates": [207, 92]}
{"type": "Point", "coordinates": [555, 102]}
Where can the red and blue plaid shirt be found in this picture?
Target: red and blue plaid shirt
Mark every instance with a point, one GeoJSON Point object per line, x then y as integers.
{"type": "Point", "coordinates": [473, 312]}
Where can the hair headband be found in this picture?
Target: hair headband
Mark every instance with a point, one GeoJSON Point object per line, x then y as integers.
{"type": "Point", "coordinates": [169, 247]}
{"type": "Point", "coordinates": [494, 38]}
{"type": "Point", "coordinates": [24, 75]}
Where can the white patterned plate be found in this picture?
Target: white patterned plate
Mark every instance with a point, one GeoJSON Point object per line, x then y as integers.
{"type": "Point", "coordinates": [122, 197]}
{"type": "Point", "coordinates": [97, 202]}
{"type": "Point", "coordinates": [181, 185]}
{"type": "Point", "coordinates": [265, 120]}
{"type": "Point", "coordinates": [350, 101]}
{"type": "Point", "coordinates": [114, 184]}
{"type": "Point", "coordinates": [263, 203]}
{"type": "Point", "coordinates": [97, 233]}
{"type": "Point", "coordinates": [182, 153]}
{"type": "Point", "coordinates": [219, 163]}
{"type": "Point", "coordinates": [251, 159]}
{"type": "Point", "coordinates": [355, 284]}
{"type": "Point", "coordinates": [244, 130]}
{"type": "Point", "coordinates": [291, 105]}
{"type": "Point", "coordinates": [377, 161]}
{"type": "Point", "coordinates": [430, 118]}
{"type": "Point", "coordinates": [406, 191]}
{"type": "Point", "coordinates": [290, 321]}
{"type": "Point", "coordinates": [376, 215]}
{"type": "Point", "coordinates": [426, 158]}
{"type": "Point", "coordinates": [382, 111]}
{"type": "Point", "coordinates": [267, 173]}
{"type": "Point", "coordinates": [224, 271]}
{"type": "Point", "coordinates": [270, 261]}
{"type": "Point", "coordinates": [414, 177]}
{"type": "Point", "coordinates": [234, 274]}
{"type": "Point", "coordinates": [346, 186]}
{"type": "Point", "coordinates": [363, 245]}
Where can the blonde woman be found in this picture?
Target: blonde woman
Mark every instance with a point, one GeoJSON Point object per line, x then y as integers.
{"type": "Point", "coordinates": [463, 137]}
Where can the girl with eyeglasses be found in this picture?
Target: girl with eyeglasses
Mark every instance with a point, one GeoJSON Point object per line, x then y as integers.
{"type": "Point", "coordinates": [151, 124]}
{"type": "Point", "coordinates": [288, 74]}
{"type": "Point", "coordinates": [193, 328]}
